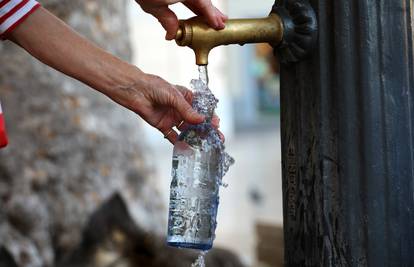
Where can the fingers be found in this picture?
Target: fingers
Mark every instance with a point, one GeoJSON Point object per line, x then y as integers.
{"type": "Point", "coordinates": [171, 135]}
{"type": "Point", "coordinates": [182, 125]}
{"type": "Point", "coordinates": [222, 138]}
{"type": "Point", "coordinates": [188, 94]}
{"type": "Point", "coordinates": [215, 121]}
{"type": "Point", "coordinates": [222, 16]}
{"type": "Point", "coordinates": [205, 8]}
{"type": "Point", "coordinates": [168, 20]}
{"type": "Point", "coordinates": [159, 9]}
{"type": "Point", "coordinates": [187, 113]}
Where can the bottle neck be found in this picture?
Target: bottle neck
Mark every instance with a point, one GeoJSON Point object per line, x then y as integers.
{"type": "Point", "coordinates": [204, 102]}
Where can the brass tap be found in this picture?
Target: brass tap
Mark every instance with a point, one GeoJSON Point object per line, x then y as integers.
{"type": "Point", "coordinates": [200, 37]}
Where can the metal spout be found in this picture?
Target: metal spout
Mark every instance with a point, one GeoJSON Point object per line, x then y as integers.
{"type": "Point", "coordinates": [197, 35]}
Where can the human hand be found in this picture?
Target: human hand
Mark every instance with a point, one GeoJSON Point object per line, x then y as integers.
{"type": "Point", "coordinates": [159, 9]}
{"type": "Point", "coordinates": [162, 105]}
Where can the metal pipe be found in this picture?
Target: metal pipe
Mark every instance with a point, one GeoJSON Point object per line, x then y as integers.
{"type": "Point", "coordinates": [200, 37]}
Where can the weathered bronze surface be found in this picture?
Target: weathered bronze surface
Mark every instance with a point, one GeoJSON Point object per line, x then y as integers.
{"type": "Point", "coordinates": [200, 37]}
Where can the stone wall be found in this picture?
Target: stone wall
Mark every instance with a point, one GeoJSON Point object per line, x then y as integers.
{"type": "Point", "coordinates": [70, 147]}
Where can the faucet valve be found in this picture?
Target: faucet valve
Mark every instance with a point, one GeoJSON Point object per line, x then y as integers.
{"type": "Point", "coordinates": [278, 29]}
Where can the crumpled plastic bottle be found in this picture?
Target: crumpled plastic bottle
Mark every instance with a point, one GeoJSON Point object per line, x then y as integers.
{"type": "Point", "coordinates": [198, 166]}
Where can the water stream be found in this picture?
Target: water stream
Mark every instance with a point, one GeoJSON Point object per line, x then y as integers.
{"type": "Point", "coordinates": [203, 74]}
{"type": "Point", "coordinates": [205, 100]}
{"type": "Point", "coordinates": [200, 261]}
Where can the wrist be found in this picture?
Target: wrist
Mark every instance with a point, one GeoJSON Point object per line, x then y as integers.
{"type": "Point", "coordinates": [118, 76]}
{"type": "Point", "coordinates": [120, 82]}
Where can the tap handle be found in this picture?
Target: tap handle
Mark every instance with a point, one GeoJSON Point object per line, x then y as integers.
{"type": "Point", "coordinates": [291, 29]}
{"type": "Point", "coordinates": [300, 30]}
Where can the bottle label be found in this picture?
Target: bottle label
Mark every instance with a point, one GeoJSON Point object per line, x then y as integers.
{"type": "Point", "coordinates": [193, 201]}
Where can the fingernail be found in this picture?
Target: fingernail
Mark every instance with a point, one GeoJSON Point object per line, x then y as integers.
{"type": "Point", "coordinates": [169, 37]}
{"type": "Point", "coordinates": [221, 24]}
{"type": "Point", "coordinates": [216, 23]}
{"type": "Point", "coordinates": [216, 122]}
{"type": "Point", "coordinates": [199, 116]}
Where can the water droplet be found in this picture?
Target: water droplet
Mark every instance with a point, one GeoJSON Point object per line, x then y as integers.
{"type": "Point", "coordinates": [200, 261]}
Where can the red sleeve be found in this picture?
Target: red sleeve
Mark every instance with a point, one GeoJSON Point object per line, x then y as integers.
{"type": "Point", "coordinates": [14, 12]}
{"type": "Point", "coordinates": [3, 135]}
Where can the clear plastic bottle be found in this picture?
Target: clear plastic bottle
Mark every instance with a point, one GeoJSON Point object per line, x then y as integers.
{"type": "Point", "coordinates": [197, 170]}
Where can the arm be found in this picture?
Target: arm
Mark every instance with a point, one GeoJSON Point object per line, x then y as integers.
{"type": "Point", "coordinates": [159, 103]}
{"type": "Point", "coordinates": [51, 41]}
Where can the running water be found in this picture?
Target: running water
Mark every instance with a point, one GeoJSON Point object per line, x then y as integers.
{"type": "Point", "coordinates": [203, 74]}
{"type": "Point", "coordinates": [205, 100]}
{"type": "Point", "coordinates": [199, 165]}
{"type": "Point", "coordinates": [200, 262]}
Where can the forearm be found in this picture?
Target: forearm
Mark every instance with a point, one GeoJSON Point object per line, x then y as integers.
{"type": "Point", "coordinates": [51, 41]}
{"type": "Point", "coordinates": [158, 102]}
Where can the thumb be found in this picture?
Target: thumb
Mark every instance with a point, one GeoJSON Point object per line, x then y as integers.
{"type": "Point", "coordinates": [168, 20]}
{"type": "Point", "coordinates": [188, 114]}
